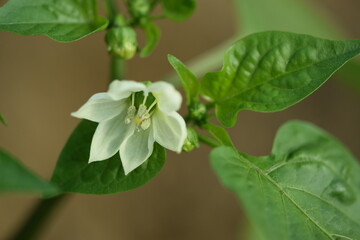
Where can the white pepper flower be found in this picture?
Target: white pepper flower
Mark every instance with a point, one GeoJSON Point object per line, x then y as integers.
{"type": "Point", "coordinates": [132, 116]}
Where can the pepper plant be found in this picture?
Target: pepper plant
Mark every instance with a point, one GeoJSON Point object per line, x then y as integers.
{"type": "Point", "coordinates": [306, 188]}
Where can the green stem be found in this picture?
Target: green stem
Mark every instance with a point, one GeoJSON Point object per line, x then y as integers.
{"type": "Point", "coordinates": [116, 68]}
{"type": "Point", "coordinates": [208, 140]}
{"type": "Point", "coordinates": [37, 219]}
{"type": "Point", "coordinates": [112, 10]}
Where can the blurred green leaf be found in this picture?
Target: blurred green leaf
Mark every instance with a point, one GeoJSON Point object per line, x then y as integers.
{"type": "Point", "coordinates": [300, 16]}
{"type": "Point", "coordinates": [178, 10]}
{"type": "Point", "coordinates": [73, 173]}
{"type": "Point", "coordinates": [270, 71]}
{"type": "Point", "coordinates": [63, 21]}
{"type": "Point", "coordinates": [307, 188]}
{"type": "Point", "coordinates": [16, 178]}
{"type": "Point", "coordinates": [2, 120]}
{"type": "Point", "coordinates": [188, 80]}
{"type": "Point", "coordinates": [152, 37]}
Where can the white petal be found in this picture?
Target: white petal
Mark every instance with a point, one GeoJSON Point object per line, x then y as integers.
{"type": "Point", "coordinates": [108, 137]}
{"type": "Point", "coordinates": [168, 98]}
{"type": "Point", "coordinates": [169, 130]}
{"type": "Point", "coordinates": [123, 89]}
{"type": "Point", "coordinates": [100, 107]}
{"type": "Point", "coordinates": [136, 149]}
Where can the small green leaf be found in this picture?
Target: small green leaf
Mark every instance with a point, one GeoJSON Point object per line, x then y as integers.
{"type": "Point", "coordinates": [188, 80]}
{"type": "Point", "coordinates": [16, 178]}
{"type": "Point", "coordinates": [178, 10]}
{"type": "Point", "coordinates": [307, 188]}
{"type": "Point", "coordinates": [152, 37]}
{"type": "Point", "coordinates": [270, 71]}
{"type": "Point", "coordinates": [220, 134]}
{"type": "Point", "coordinates": [2, 120]}
{"type": "Point", "coordinates": [73, 173]}
{"type": "Point", "coordinates": [63, 21]}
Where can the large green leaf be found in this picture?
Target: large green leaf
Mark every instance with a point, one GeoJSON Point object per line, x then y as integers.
{"type": "Point", "coordinates": [17, 178]}
{"type": "Point", "coordinates": [270, 71]}
{"type": "Point", "coordinates": [61, 20]}
{"type": "Point", "coordinates": [307, 188]}
{"type": "Point", "coordinates": [178, 10]}
{"type": "Point", "coordinates": [73, 173]}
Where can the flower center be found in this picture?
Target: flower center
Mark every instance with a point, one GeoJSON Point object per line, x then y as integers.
{"type": "Point", "coordinates": [140, 116]}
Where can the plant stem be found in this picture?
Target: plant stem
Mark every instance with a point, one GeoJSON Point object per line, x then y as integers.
{"type": "Point", "coordinates": [116, 68]}
{"type": "Point", "coordinates": [37, 219]}
{"type": "Point", "coordinates": [208, 140]}
{"type": "Point", "coordinates": [112, 10]}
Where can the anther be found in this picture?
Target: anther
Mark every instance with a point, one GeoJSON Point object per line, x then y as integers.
{"type": "Point", "coordinates": [130, 114]}
{"type": "Point", "coordinates": [145, 124]}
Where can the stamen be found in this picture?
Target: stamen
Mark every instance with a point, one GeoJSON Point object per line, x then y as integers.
{"type": "Point", "coordinates": [130, 114]}
{"type": "Point", "coordinates": [145, 97]}
{"type": "Point", "coordinates": [151, 106]}
{"type": "Point", "coordinates": [132, 99]}
{"type": "Point", "coordinates": [142, 110]}
{"type": "Point", "coordinates": [141, 116]}
{"type": "Point", "coordinates": [145, 124]}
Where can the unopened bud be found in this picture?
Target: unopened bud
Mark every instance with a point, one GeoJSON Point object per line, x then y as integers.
{"type": "Point", "coordinates": [197, 111]}
{"type": "Point", "coordinates": [122, 42]}
{"type": "Point", "coordinates": [191, 140]}
{"type": "Point", "coordinates": [138, 8]}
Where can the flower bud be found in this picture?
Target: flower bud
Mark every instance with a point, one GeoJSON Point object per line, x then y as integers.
{"type": "Point", "coordinates": [138, 8]}
{"type": "Point", "coordinates": [191, 140]}
{"type": "Point", "coordinates": [122, 42]}
{"type": "Point", "coordinates": [197, 112]}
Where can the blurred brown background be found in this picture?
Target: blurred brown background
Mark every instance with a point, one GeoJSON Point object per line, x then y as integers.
{"type": "Point", "coordinates": [42, 81]}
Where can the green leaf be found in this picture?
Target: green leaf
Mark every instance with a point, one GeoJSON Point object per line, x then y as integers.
{"type": "Point", "coordinates": [188, 80]}
{"type": "Point", "coordinates": [178, 10]}
{"type": "Point", "coordinates": [270, 71]}
{"type": "Point", "coordinates": [2, 120]}
{"type": "Point", "coordinates": [307, 188]}
{"type": "Point", "coordinates": [152, 37]}
{"type": "Point", "coordinates": [220, 134]}
{"type": "Point", "coordinates": [73, 173]}
{"type": "Point", "coordinates": [61, 20]}
{"type": "Point", "coordinates": [16, 178]}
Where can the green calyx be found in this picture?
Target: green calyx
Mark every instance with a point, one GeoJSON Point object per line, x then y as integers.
{"type": "Point", "coordinates": [191, 141]}
{"type": "Point", "coordinates": [197, 113]}
{"type": "Point", "coordinates": [122, 42]}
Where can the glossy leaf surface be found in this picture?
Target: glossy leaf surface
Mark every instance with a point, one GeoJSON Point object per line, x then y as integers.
{"type": "Point", "coordinates": [307, 188]}
{"type": "Point", "coordinates": [270, 71]}
{"type": "Point", "coordinates": [73, 173]}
